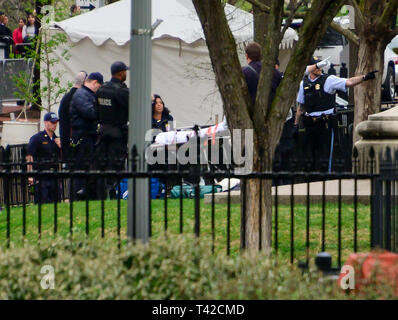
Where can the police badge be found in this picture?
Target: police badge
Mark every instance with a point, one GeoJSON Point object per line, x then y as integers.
{"type": "Point", "coordinates": [317, 86]}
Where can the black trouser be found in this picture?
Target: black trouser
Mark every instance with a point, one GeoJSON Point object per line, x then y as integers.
{"type": "Point", "coordinates": [48, 190]}
{"type": "Point", "coordinates": [283, 152]}
{"type": "Point", "coordinates": [110, 154]}
{"type": "Point", "coordinates": [317, 141]}
{"type": "Point", "coordinates": [66, 150]}
{"type": "Point", "coordinates": [83, 155]}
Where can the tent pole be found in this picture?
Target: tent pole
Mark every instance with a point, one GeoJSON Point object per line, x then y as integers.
{"type": "Point", "coordinates": [138, 221]}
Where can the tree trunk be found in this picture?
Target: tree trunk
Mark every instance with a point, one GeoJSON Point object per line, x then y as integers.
{"type": "Point", "coordinates": [256, 228]}
{"type": "Point", "coordinates": [260, 25]}
{"type": "Point", "coordinates": [266, 121]}
{"type": "Point", "coordinates": [367, 95]}
{"type": "Point", "coordinates": [256, 204]}
{"type": "Point", "coordinates": [353, 63]}
{"type": "Point", "coordinates": [375, 33]}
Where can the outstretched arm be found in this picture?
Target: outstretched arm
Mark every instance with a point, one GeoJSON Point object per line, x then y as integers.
{"type": "Point", "coordinates": [351, 82]}
{"type": "Point", "coordinates": [358, 79]}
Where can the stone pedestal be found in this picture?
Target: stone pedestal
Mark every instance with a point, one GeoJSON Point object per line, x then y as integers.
{"type": "Point", "coordinates": [379, 131]}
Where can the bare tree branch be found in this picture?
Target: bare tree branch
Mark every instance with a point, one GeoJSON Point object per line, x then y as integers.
{"type": "Point", "coordinates": [389, 12]}
{"type": "Point", "coordinates": [260, 5]}
{"type": "Point", "coordinates": [351, 36]}
{"type": "Point", "coordinates": [358, 11]}
{"type": "Point", "coordinates": [298, 15]}
{"type": "Point", "coordinates": [291, 16]}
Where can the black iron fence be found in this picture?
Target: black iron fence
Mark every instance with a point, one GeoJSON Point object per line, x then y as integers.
{"type": "Point", "coordinates": [312, 212]}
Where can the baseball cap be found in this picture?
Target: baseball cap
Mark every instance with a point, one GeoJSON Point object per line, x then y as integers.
{"type": "Point", "coordinates": [51, 116]}
{"type": "Point", "coordinates": [314, 60]}
{"type": "Point", "coordinates": [96, 76]}
{"type": "Point", "coordinates": [118, 66]}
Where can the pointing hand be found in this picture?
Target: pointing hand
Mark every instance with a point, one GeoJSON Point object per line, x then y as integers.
{"type": "Point", "coordinates": [371, 75]}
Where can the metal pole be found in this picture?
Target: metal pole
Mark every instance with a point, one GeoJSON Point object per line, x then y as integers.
{"type": "Point", "coordinates": [140, 112]}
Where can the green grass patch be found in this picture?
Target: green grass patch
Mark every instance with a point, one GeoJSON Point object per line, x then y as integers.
{"type": "Point", "coordinates": [219, 244]}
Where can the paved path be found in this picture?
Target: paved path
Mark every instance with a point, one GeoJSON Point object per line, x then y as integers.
{"type": "Point", "coordinates": [300, 193]}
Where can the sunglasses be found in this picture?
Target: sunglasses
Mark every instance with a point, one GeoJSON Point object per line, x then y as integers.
{"type": "Point", "coordinates": [85, 74]}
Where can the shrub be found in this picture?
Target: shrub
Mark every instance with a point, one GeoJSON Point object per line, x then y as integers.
{"type": "Point", "coordinates": [172, 268]}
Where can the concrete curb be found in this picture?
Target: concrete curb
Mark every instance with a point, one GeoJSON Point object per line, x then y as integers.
{"type": "Point", "coordinates": [300, 193]}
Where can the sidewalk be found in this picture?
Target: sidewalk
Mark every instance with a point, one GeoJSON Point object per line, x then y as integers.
{"type": "Point", "coordinates": [300, 193]}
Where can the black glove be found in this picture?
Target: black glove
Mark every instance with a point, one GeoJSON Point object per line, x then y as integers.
{"type": "Point", "coordinates": [370, 75]}
{"type": "Point", "coordinates": [295, 132]}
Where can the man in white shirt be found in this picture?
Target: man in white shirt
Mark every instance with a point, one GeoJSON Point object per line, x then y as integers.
{"type": "Point", "coordinates": [316, 98]}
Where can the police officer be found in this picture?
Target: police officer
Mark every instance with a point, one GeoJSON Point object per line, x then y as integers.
{"type": "Point", "coordinates": [113, 106]}
{"type": "Point", "coordinates": [44, 147]}
{"type": "Point", "coordinates": [84, 120]}
{"type": "Point", "coordinates": [316, 100]}
{"type": "Point", "coordinates": [64, 115]}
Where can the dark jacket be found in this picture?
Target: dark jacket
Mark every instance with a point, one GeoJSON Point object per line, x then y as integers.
{"type": "Point", "coordinates": [42, 148]}
{"type": "Point", "coordinates": [113, 109]}
{"type": "Point", "coordinates": [64, 116]}
{"type": "Point", "coordinates": [83, 113]}
{"type": "Point", "coordinates": [163, 123]}
{"type": "Point", "coordinates": [6, 38]}
{"type": "Point", "coordinates": [252, 77]}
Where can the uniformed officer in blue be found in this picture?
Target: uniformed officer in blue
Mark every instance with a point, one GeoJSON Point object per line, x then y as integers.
{"type": "Point", "coordinates": [316, 98]}
{"type": "Point", "coordinates": [44, 150]}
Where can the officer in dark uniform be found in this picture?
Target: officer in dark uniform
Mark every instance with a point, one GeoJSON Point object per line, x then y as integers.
{"type": "Point", "coordinates": [84, 121]}
{"type": "Point", "coordinates": [44, 150]}
{"type": "Point", "coordinates": [64, 116]}
{"type": "Point", "coordinates": [316, 97]}
{"type": "Point", "coordinates": [113, 106]}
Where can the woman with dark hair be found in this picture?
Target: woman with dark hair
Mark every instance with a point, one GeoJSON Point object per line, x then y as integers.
{"type": "Point", "coordinates": [160, 114]}
{"type": "Point", "coordinates": [30, 30]}
{"type": "Point", "coordinates": [17, 36]}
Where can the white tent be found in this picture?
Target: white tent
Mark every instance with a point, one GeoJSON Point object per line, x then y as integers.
{"type": "Point", "coordinates": [181, 70]}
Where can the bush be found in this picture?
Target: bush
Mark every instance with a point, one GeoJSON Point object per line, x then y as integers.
{"type": "Point", "coordinates": [173, 268]}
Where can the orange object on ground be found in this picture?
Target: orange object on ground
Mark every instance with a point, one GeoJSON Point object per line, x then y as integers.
{"type": "Point", "coordinates": [379, 268]}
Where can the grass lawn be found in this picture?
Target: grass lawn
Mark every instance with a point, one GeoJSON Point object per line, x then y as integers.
{"type": "Point", "coordinates": [173, 225]}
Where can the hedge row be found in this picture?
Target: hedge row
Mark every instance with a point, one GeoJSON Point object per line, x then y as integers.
{"type": "Point", "coordinates": [173, 268]}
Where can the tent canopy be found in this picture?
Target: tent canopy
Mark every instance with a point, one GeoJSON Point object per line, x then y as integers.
{"type": "Point", "coordinates": [181, 66]}
{"type": "Point", "coordinates": [179, 21]}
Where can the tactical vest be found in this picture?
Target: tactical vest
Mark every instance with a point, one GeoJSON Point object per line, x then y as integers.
{"type": "Point", "coordinates": [316, 99]}
{"type": "Point", "coordinates": [108, 112]}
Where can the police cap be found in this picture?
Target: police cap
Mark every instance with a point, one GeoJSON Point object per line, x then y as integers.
{"type": "Point", "coordinates": [314, 60]}
{"type": "Point", "coordinates": [96, 76]}
{"type": "Point", "coordinates": [118, 66]}
{"type": "Point", "coordinates": [51, 116]}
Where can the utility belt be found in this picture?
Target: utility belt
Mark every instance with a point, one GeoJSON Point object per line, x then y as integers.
{"type": "Point", "coordinates": [47, 165]}
{"type": "Point", "coordinates": [75, 142]}
{"type": "Point", "coordinates": [113, 130]}
{"type": "Point", "coordinates": [322, 120]}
